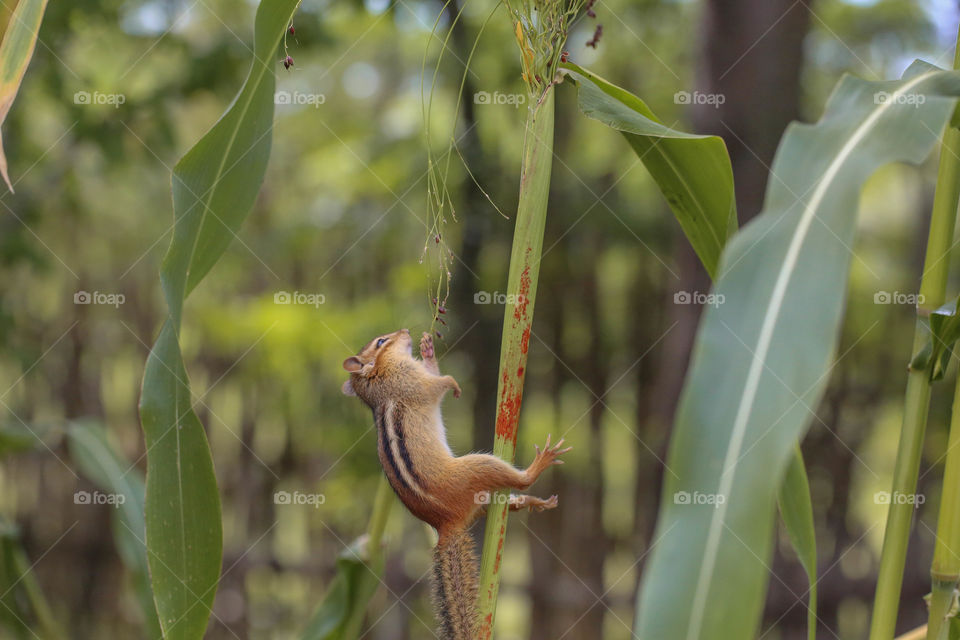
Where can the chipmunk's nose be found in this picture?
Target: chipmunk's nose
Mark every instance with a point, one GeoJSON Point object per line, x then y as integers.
{"type": "Point", "coordinates": [406, 331]}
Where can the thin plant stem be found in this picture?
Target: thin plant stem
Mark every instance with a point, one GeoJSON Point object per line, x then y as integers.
{"type": "Point", "coordinates": [917, 399]}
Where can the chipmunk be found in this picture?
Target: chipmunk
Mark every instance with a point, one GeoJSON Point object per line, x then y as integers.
{"type": "Point", "coordinates": [444, 491]}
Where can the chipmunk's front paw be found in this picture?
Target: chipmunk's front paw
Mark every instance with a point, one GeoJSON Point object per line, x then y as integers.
{"type": "Point", "coordinates": [426, 347]}
{"type": "Point", "coordinates": [548, 455]}
{"type": "Point", "coordinates": [455, 387]}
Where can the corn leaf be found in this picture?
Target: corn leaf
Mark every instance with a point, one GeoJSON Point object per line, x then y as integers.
{"type": "Point", "coordinates": [214, 188]}
{"type": "Point", "coordinates": [761, 358]}
{"type": "Point", "coordinates": [15, 53]}
{"type": "Point", "coordinates": [692, 171]}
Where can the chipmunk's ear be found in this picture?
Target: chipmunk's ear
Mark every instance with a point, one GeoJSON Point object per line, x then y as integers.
{"type": "Point", "coordinates": [353, 364]}
{"type": "Point", "coordinates": [347, 389]}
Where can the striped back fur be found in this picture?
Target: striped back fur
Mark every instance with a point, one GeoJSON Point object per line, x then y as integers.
{"type": "Point", "coordinates": [455, 586]}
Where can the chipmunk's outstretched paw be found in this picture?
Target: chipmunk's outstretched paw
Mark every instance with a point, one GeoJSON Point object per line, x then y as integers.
{"type": "Point", "coordinates": [548, 455]}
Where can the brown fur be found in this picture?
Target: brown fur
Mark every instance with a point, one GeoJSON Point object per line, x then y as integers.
{"type": "Point", "coordinates": [444, 491]}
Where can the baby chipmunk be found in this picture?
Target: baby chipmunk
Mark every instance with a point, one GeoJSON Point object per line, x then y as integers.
{"type": "Point", "coordinates": [445, 491]}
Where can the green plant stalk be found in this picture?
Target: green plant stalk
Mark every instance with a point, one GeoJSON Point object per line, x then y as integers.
{"type": "Point", "coordinates": [933, 286]}
{"type": "Point", "coordinates": [378, 523]}
{"type": "Point", "coordinates": [945, 569]}
{"type": "Point", "coordinates": [515, 342]}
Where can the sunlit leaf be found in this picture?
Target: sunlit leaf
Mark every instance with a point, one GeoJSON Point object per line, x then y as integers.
{"type": "Point", "coordinates": [214, 188]}
{"type": "Point", "coordinates": [15, 53]}
{"type": "Point", "coordinates": [762, 358]}
{"type": "Point", "coordinates": [693, 172]}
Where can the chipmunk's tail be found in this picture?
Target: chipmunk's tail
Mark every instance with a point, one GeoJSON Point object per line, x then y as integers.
{"type": "Point", "coordinates": [455, 586]}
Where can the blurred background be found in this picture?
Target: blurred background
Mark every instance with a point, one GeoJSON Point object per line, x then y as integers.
{"type": "Point", "coordinates": [342, 219]}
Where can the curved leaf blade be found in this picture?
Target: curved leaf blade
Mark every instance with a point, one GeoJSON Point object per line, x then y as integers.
{"type": "Point", "coordinates": [761, 359]}
{"type": "Point", "coordinates": [214, 188]}
{"type": "Point", "coordinates": [692, 171]}
{"type": "Point", "coordinates": [796, 511]}
{"type": "Point", "coordinates": [15, 52]}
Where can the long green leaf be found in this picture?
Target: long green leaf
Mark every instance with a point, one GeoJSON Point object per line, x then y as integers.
{"type": "Point", "coordinates": [761, 358]}
{"type": "Point", "coordinates": [796, 510]}
{"type": "Point", "coordinates": [696, 178]}
{"type": "Point", "coordinates": [692, 171]}
{"type": "Point", "coordinates": [15, 53]}
{"type": "Point", "coordinates": [214, 188]}
{"type": "Point", "coordinates": [103, 466]}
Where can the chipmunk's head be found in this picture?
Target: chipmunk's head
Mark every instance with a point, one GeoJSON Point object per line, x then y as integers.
{"type": "Point", "coordinates": [376, 372]}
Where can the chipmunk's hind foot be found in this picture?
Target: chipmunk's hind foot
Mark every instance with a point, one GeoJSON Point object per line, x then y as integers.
{"type": "Point", "coordinates": [532, 503]}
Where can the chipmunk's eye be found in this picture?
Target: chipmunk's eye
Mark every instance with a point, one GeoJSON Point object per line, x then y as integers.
{"type": "Point", "coordinates": [380, 342]}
